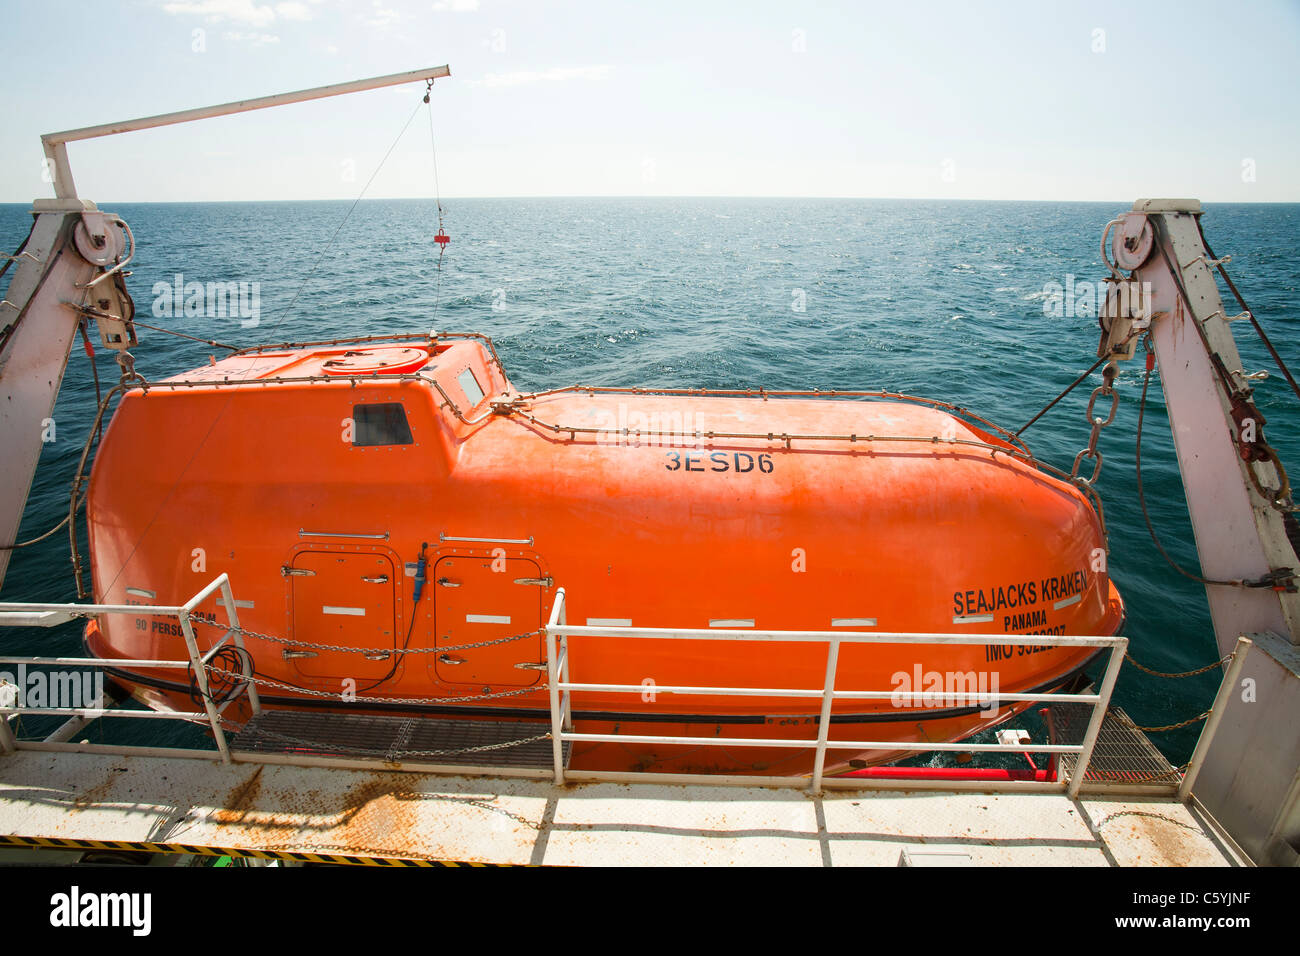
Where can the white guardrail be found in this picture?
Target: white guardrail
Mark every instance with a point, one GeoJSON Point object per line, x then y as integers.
{"type": "Point", "coordinates": [49, 615]}
{"type": "Point", "coordinates": [561, 688]}
{"type": "Point", "coordinates": [558, 631]}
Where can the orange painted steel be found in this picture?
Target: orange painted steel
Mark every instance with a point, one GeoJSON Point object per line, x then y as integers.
{"type": "Point", "coordinates": [318, 477]}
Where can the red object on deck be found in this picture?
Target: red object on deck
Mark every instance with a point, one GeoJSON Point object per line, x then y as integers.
{"type": "Point", "coordinates": [947, 773]}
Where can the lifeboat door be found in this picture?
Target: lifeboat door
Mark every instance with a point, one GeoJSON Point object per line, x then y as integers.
{"type": "Point", "coordinates": [345, 600]}
{"type": "Point", "coordinates": [483, 599]}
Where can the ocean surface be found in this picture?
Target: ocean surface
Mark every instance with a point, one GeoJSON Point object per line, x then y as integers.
{"type": "Point", "coordinates": [935, 298]}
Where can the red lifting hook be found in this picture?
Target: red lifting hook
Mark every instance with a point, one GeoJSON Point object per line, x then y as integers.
{"type": "Point", "coordinates": [442, 238]}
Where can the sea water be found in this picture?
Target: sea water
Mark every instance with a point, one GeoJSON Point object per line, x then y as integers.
{"type": "Point", "coordinates": [960, 301]}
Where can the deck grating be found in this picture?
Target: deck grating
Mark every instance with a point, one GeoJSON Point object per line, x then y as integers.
{"type": "Point", "coordinates": [1123, 752]}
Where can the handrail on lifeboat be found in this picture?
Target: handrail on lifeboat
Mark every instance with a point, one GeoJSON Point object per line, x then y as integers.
{"type": "Point", "coordinates": [561, 689]}
{"type": "Point", "coordinates": [196, 662]}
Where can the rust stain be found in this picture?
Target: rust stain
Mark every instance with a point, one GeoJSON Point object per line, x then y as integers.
{"type": "Point", "coordinates": [1173, 842]}
{"type": "Point", "coordinates": [382, 814]}
{"type": "Point", "coordinates": [96, 793]}
{"type": "Point", "coordinates": [379, 812]}
{"type": "Point", "coordinates": [364, 792]}
{"type": "Point", "coordinates": [242, 796]}
{"type": "Point", "coordinates": [240, 800]}
{"type": "Point", "coordinates": [1165, 836]}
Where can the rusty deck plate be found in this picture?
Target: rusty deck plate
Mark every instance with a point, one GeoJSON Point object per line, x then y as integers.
{"type": "Point", "coordinates": [421, 816]}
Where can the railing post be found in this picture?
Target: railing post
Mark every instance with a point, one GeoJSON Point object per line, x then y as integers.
{"type": "Point", "coordinates": [201, 680]}
{"type": "Point", "coordinates": [1098, 715]}
{"type": "Point", "coordinates": [564, 676]}
{"type": "Point", "coordinates": [1230, 682]}
{"type": "Point", "coordinates": [567, 696]}
{"type": "Point", "coordinates": [232, 616]}
{"type": "Point", "coordinates": [824, 724]}
{"type": "Point", "coordinates": [8, 742]}
{"type": "Point", "coordinates": [552, 679]}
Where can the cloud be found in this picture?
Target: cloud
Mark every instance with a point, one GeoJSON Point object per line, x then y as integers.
{"type": "Point", "coordinates": [256, 39]}
{"type": "Point", "coordinates": [455, 6]}
{"type": "Point", "coordinates": [248, 12]}
{"type": "Point", "coordinates": [293, 10]}
{"type": "Point", "coordinates": [238, 11]}
{"type": "Point", "coordinates": [380, 15]}
{"type": "Point", "coordinates": [555, 74]}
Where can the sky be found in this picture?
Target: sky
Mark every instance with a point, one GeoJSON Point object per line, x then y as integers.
{"type": "Point", "coordinates": [1001, 100]}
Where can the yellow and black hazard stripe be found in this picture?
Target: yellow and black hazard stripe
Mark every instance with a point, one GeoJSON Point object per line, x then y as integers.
{"type": "Point", "coordinates": [63, 843]}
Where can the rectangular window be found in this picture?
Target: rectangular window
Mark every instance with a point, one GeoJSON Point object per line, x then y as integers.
{"type": "Point", "coordinates": [382, 424]}
{"type": "Point", "coordinates": [470, 386]}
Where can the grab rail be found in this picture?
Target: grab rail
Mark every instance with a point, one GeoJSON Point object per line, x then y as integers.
{"type": "Point", "coordinates": [557, 632]}
{"type": "Point", "coordinates": [47, 615]}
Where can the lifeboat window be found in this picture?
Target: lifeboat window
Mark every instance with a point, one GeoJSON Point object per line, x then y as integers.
{"type": "Point", "coordinates": [382, 424]}
{"type": "Point", "coordinates": [470, 386]}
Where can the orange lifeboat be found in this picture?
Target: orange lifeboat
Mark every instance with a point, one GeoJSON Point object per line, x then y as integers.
{"type": "Point", "coordinates": [396, 519]}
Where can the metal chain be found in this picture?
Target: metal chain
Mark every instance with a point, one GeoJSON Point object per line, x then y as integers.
{"type": "Point", "coordinates": [330, 695]}
{"type": "Point", "coordinates": [391, 753]}
{"type": "Point", "coordinates": [1172, 771]}
{"type": "Point", "coordinates": [1279, 498]}
{"type": "Point", "coordinates": [367, 650]}
{"type": "Point", "coordinates": [499, 640]}
{"type": "Point", "coordinates": [1200, 670]}
{"type": "Point", "coordinates": [1104, 390]}
{"type": "Point", "coordinates": [1184, 723]}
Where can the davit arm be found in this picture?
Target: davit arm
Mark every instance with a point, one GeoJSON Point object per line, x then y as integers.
{"type": "Point", "coordinates": [1237, 492]}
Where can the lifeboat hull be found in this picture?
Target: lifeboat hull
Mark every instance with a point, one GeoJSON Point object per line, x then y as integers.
{"type": "Point", "coordinates": [397, 540]}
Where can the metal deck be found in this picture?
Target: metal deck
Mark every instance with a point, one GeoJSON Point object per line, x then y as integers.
{"type": "Point", "coordinates": [1123, 753]}
{"type": "Point", "coordinates": [519, 745]}
{"type": "Point", "coordinates": [371, 813]}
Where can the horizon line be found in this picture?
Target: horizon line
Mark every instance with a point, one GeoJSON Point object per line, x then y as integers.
{"type": "Point", "coordinates": [166, 202]}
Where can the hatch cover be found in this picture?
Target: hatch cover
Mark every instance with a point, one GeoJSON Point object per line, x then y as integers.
{"type": "Point", "coordinates": [388, 359]}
